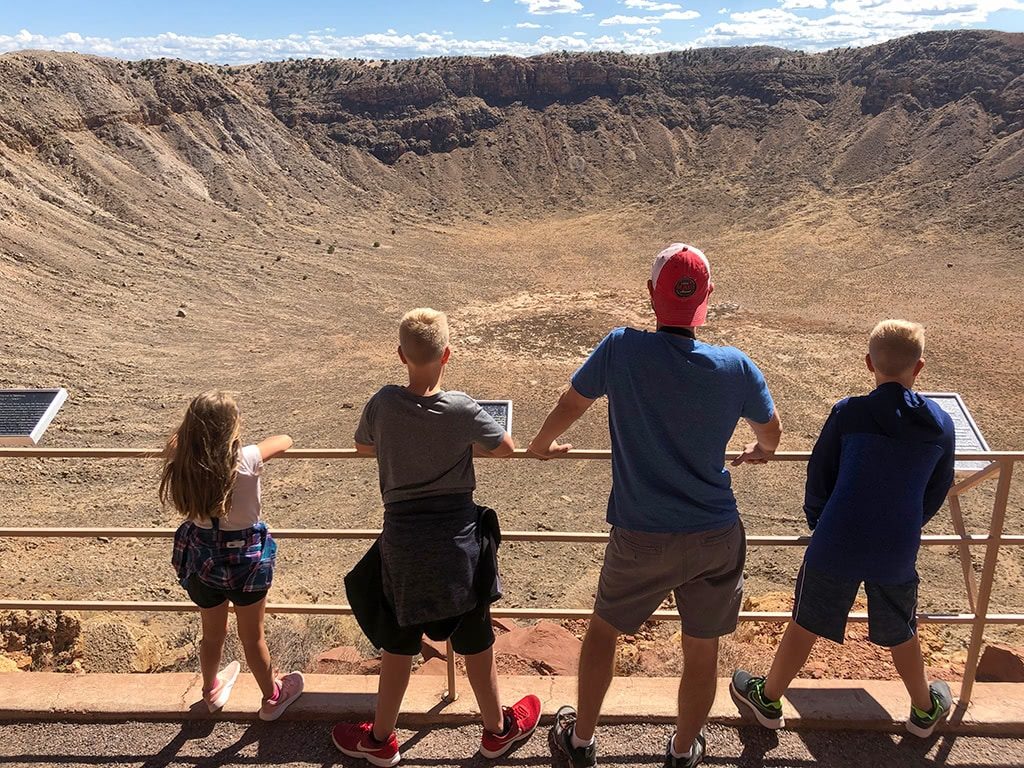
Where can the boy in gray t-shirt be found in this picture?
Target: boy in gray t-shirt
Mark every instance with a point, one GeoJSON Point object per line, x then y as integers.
{"type": "Point", "coordinates": [430, 549]}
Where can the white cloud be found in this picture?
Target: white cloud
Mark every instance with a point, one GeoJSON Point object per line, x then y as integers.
{"type": "Point", "coordinates": [852, 22]}
{"type": "Point", "coordinates": [724, 10]}
{"type": "Point", "coordinates": [793, 4]}
{"type": "Point", "coordinates": [544, 7]}
{"type": "Point", "coordinates": [621, 20]}
{"type": "Point", "coordinates": [650, 5]}
{"type": "Point", "coordinates": [527, 25]}
{"type": "Point", "coordinates": [614, 21]}
{"type": "Point", "coordinates": [236, 49]}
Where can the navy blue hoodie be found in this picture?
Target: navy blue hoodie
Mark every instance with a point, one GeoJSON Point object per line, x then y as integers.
{"type": "Point", "coordinates": [880, 470]}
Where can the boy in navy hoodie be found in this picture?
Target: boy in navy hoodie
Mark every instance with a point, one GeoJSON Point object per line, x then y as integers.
{"type": "Point", "coordinates": [879, 472]}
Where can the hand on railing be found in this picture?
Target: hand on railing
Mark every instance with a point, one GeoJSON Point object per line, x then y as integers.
{"type": "Point", "coordinates": [550, 452]}
{"type": "Point", "coordinates": [753, 453]}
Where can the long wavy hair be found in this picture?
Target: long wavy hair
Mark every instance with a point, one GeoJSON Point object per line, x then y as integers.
{"type": "Point", "coordinates": [201, 458]}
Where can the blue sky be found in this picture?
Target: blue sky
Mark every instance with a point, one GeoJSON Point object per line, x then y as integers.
{"type": "Point", "coordinates": [235, 32]}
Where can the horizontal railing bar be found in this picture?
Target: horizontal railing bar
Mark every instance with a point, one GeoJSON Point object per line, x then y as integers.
{"type": "Point", "coordinates": [574, 537]}
{"type": "Point", "coordinates": [350, 453]}
{"type": "Point", "coordinates": [499, 613]}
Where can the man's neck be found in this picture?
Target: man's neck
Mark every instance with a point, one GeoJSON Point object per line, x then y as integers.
{"type": "Point", "coordinates": [679, 330]}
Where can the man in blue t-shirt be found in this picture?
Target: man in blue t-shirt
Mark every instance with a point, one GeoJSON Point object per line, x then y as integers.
{"type": "Point", "coordinates": [673, 404]}
{"type": "Point", "coordinates": [879, 472]}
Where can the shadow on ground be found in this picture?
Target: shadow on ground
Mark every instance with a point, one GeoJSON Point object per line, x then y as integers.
{"type": "Point", "coordinates": [198, 744]}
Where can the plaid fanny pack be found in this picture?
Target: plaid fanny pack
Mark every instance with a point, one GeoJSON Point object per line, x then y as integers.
{"type": "Point", "coordinates": [227, 560]}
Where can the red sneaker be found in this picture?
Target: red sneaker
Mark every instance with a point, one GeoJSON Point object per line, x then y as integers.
{"type": "Point", "coordinates": [521, 720]}
{"type": "Point", "coordinates": [356, 740]}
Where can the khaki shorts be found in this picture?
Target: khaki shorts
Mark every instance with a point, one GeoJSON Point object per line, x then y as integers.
{"type": "Point", "coordinates": [704, 570]}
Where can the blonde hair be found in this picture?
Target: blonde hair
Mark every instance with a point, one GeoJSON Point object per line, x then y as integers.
{"type": "Point", "coordinates": [201, 458]}
{"type": "Point", "coordinates": [423, 335]}
{"type": "Point", "coordinates": [895, 346]}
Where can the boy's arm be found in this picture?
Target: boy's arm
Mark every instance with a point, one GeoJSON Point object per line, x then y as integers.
{"type": "Point", "coordinates": [571, 405]}
{"type": "Point", "coordinates": [274, 446]}
{"type": "Point", "coordinates": [942, 477]}
{"type": "Point", "coordinates": [822, 469]}
{"type": "Point", "coordinates": [364, 441]}
{"type": "Point", "coordinates": [505, 448]}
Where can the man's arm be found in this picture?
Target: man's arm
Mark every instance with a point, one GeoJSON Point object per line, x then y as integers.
{"type": "Point", "coordinates": [571, 405]}
{"type": "Point", "coordinates": [763, 448]}
{"type": "Point", "coordinates": [366, 450]}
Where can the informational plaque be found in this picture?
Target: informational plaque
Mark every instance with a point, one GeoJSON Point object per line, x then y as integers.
{"type": "Point", "coordinates": [26, 413]}
{"type": "Point", "coordinates": [968, 437]}
{"type": "Point", "coordinates": [501, 412]}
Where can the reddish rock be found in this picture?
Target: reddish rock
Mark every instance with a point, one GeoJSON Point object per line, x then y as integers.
{"type": "Point", "coordinates": [548, 647]}
{"type": "Point", "coordinates": [505, 625]}
{"type": "Point", "coordinates": [433, 667]}
{"type": "Point", "coordinates": [1001, 664]}
{"type": "Point", "coordinates": [343, 655]}
{"type": "Point", "coordinates": [367, 667]}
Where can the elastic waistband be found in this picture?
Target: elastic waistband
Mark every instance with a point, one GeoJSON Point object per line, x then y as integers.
{"type": "Point", "coordinates": [452, 502]}
{"type": "Point", "coordinates": [219, 534]}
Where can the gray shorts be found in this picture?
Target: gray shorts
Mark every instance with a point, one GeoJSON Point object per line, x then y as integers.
{"type": "Point", "coordinates": [704, 570]}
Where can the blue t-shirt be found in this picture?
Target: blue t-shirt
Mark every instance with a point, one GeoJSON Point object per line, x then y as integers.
{"type": "Point", "coordinates": [880, 470]}
{"type": "Point", "coordinates": [673, 404]}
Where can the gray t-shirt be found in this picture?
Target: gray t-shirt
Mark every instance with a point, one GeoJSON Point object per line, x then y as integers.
{"type": "Point", "coordinates": [425, 444]}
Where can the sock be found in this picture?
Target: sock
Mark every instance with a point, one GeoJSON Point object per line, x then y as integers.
{"type": "Point", "coordinates": [679, 755]}
{"type": "Point", "coordinates": [277, 694]}
{"type": "Point", "coordinates": [506, 725]}
{"type": "Point", "coordinates": [579, 743]}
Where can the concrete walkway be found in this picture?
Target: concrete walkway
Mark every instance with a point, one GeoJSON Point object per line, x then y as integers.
{"type": "Point", "coordinates": [209, 744]}
{"type": "Point", "coordinates": [998, 708]}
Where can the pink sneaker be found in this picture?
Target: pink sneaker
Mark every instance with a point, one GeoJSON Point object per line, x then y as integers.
{"type": "Point", "coordinates": [221, 692]}
{"type": "Point", "coordinates": [289, 688]}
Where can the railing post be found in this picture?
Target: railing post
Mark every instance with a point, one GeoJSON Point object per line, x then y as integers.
{"type": "Point", "coordinates": [985, 586]}
{"type": "Point", "coordinates": [966, 559]}
{"type": "Point", "coordinates": [452, 693]}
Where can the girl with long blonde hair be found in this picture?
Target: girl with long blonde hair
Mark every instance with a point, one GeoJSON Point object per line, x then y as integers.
{"type": "Point", "coordinates": [223, 552]}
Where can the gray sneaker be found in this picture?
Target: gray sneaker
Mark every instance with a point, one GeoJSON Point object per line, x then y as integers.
{"type": "Point", "coordinates": [561, 737]}
{"type": "Point", "coordinates": [923, 723]}
{"type": "Point", "coordinates": [697, 752]}
{"type": "Point", "coordinates": [748, 693]}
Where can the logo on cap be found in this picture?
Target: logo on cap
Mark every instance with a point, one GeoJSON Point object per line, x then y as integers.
{"type": "Point", "coordinates": [686, 287]}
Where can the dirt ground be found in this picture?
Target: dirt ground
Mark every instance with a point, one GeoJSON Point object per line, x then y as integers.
{"type": "Point", "coordinates": [304, 358]}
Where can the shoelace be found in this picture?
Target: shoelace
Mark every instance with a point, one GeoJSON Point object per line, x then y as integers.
{"type": "Point", "coordinates": [764, 700]}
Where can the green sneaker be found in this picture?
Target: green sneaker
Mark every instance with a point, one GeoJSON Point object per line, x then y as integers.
{"type": "Point", "coordinates": [923, 723]}
{"type": "Point", "coordinates": [748, 692]}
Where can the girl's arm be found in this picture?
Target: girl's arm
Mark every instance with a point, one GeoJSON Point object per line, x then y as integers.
{"type": "Point", "coordinates": [274, 446]}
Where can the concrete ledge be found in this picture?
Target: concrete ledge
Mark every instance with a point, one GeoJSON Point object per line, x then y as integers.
{"type": "Point", "coordinates": [997, 709]}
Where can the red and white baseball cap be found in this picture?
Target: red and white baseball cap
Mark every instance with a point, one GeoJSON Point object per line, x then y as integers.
{"type": "Point", "coordinates": [681, 280]}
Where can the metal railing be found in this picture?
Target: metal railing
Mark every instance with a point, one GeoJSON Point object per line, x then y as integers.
{"type": "Point", "coordinates": [979, 590]}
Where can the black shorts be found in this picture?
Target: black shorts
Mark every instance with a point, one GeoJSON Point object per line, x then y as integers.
{"type": "Point", "coordinates": [470, 633]}
{"type": "Point", "coordinates": [823, 602]}
{"type": "Point", "coordinates": [206, 596]}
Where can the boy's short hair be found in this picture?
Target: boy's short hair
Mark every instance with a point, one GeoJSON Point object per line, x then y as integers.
{"type": "Point", "coordinates": [895, 346]}
{"type": "Point", "coordinates": [423, 335]}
